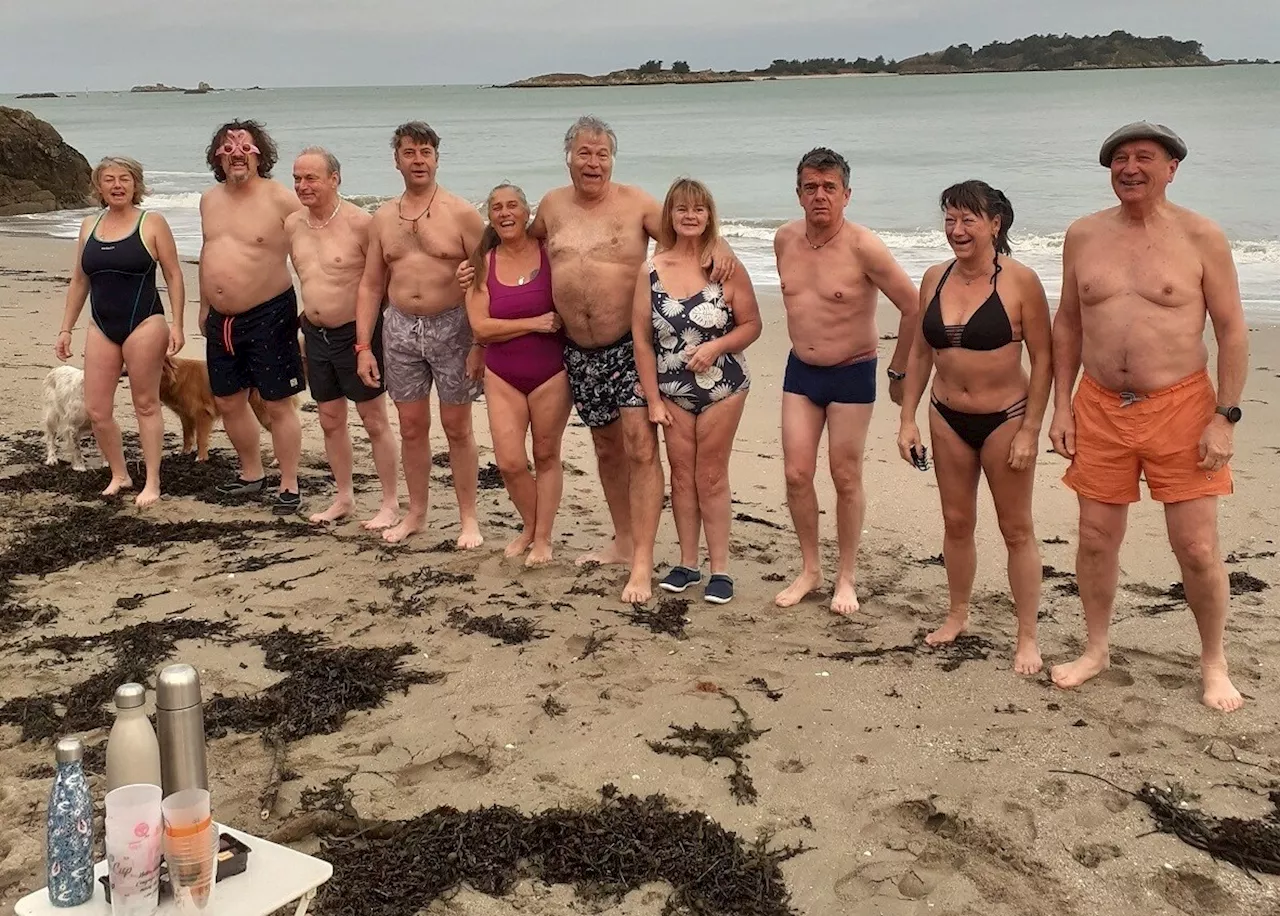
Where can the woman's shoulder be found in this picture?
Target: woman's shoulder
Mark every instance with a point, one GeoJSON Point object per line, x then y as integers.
{"type": "Point", "coordinates": [1023, 275]}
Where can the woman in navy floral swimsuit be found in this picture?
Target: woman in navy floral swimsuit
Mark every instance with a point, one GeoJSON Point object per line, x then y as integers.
{"type": "Point", "coordinates": [689, 337]}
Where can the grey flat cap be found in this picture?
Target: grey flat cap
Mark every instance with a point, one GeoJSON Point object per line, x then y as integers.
{"type": "Point", "coordinates": [1143, 130]}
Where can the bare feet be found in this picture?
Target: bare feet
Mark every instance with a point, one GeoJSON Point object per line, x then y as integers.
{"type": "Point", "coordinates": [117, 484]}
{"type": "Point", "coordinates": [386, 517]}
{"type": "Point", "coordinates": [411, 524]}
{"type": "Point", "coordinates": [340, 509]}
{"type": "Point", "coordinates": [639, 588]}
{"type": "Point", "coordinates": [1026, 657]}
{"type": "Point", "coordinates": [519, 545]}
{"type": "Point", "coordinates": [955, 624]}
{"type": "Point", "coordinates": [1075, 673]}
{"type": "Point", "coordinates": [539, 555]}
{"type": "Point", "coordinates": [612, 555]}
{"type": "Point", "coordinates": [470, 538]}
{"type": "Point", "coordinates": [844, 601]}
{"type": "Point", "coordinates": [1219, 692]}
{"type": "Point", "coordinates": [148, 496]}
{"type": "Point", "coordinates": [796, 592]}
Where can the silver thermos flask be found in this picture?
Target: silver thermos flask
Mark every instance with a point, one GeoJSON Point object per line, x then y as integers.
{"type": "Point", "coordinates": [180, 728]}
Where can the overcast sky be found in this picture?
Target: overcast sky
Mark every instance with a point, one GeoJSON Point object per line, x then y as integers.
{"type": "Point", "coordinates": [113, 44]}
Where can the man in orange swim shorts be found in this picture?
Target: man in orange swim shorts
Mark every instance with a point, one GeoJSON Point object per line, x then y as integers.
{"type": "Point", "coordinates": [1138, 282]}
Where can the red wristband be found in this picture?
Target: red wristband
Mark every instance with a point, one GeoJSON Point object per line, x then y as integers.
{"type": "Point", "coordinates": [360, 348]}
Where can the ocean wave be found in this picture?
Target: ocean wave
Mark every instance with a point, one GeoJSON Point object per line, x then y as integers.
{"type": "Point", "coordinates": [1246, 251]}
{"type": "Point", "coordinates": [187, 200]}
{"type": "Point", "coordinates": [368, 202]}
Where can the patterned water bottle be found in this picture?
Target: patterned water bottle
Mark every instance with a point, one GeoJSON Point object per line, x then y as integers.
{"type": "Point", "coordinates": [69, 849]}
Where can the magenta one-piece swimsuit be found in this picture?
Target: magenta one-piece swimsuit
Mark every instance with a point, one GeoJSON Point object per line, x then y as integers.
{"type": "Point", "coordinates": [527, 361]}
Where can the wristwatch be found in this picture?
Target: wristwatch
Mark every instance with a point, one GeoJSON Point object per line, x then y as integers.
{"type": "Point", "coordinates": [895, 375]}
{"type": "Point", "coordinates": [1233, 414]}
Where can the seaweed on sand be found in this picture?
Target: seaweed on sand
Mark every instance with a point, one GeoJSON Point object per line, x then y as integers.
{"type": "Point", "coordinates": [322, 684]}
{"type": "Point", "coordinates": [713, 744]}
{"type": "Point", "coordinates": [1250, 844]}
{"type": "Point", "coordinates": [510, 631]}
{"type": "Point", "coordinates": [489, 478]}
{"type": "Point", "coordinates": [84, 533]}
{"type": "Point", "coordinates": [605, 850]}
{"type": "Point", "coordinates": [966, 647]}
{"type": "Point", "coordinates": [136, 653]}
{"type": "Point", "coordinates": [180, 476]}
{"type": "Point", "coordinates": [668, 617]}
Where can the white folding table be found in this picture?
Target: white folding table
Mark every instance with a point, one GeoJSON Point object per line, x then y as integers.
{"type": "Point", "coordinates": [275, 877]}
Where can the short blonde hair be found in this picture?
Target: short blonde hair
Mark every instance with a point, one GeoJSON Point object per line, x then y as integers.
{"type": "Point", "coordinates": [694, 194]}
{"type": "Point", "coordinates": [132, 166]}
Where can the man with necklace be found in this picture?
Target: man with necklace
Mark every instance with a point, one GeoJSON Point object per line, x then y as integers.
{"type": "Point", "coordinates": [327, 244]}
{"type": "Point", "coordinates": [832, 273]}
{"type": "Point", "coordinates": [416, 243]}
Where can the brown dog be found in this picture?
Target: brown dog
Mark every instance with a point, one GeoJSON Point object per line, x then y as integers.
{"type": "Point", "coordinates": [184, 389]}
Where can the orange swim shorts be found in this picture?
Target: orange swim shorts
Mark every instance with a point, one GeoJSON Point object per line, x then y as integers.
{"type": "Point", "coordinates": [1121, 437]}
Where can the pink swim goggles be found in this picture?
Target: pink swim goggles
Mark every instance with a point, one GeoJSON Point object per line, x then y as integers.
{"type": "Point", "coordinates": [238, 141]}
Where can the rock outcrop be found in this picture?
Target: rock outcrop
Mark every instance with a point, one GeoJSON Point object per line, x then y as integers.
{"type": "Point", "coordinates": [39, 171]}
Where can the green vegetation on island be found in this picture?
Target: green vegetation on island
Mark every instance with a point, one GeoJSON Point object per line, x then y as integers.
{"type": "Point", "coordinates": [1119, 50]}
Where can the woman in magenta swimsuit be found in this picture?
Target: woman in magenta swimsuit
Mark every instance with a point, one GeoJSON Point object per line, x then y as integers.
{"type": "Point", "coordinates": [513, 316]}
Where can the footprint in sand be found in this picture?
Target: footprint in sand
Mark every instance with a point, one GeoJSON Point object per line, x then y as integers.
{"type": "Point", "coordinates": [453, 766]}
{"type": "Point", "coordinates": [1091, 855]}
{"type": "Point", "coordinates": [1191, 892]}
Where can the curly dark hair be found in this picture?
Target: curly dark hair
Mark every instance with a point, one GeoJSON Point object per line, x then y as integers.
{"type": "Point", "coordinates": [267, 156]}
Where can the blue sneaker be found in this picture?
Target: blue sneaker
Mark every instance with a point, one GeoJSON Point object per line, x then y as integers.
{"type": "Point", "coordinates": [680, 578]}
{"type": "Point", "coordinates": [719, 589]}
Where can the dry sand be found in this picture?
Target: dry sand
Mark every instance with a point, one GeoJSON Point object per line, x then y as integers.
{"type": "Point", "coordinates": [928, 790]}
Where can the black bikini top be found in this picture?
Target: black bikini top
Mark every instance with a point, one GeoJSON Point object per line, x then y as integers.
{"type": "Point", "coordinates": [987, 329]}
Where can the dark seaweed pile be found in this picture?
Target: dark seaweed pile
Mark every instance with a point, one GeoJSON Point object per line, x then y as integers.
{"type": "Point", "coordinates": [1252, 844]}
{"type": "Point", "coordinates": [713, 744]}
{"type": "Point", "coordinates": [322, 684]}
{"type": "Point", "coordinates": [668, 617]}
{"type": "Point", "coordinates": [83, 533]}
{"type": "Point", "coordinates": [967, 647]}
{"type": "Point", "coordinates": [136, 653]}
{"type": "Point", "coordinates": [510, 631]}
{"type": "Point", "coordinates": [604, 852]}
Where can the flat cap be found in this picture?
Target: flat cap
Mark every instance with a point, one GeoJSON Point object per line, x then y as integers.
{"type": "Point", "coordinates": [1143, 130]}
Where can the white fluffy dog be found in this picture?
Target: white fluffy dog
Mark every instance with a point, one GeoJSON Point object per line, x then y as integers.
{"type": "Point", "coordinates": [65, 419]}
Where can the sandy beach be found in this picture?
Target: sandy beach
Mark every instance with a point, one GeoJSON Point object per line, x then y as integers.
{"type": "Point", "coordinates": [919, 781]}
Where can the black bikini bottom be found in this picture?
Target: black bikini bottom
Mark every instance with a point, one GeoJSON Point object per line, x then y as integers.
{"type": "Point", "coordinates": [974, 428]}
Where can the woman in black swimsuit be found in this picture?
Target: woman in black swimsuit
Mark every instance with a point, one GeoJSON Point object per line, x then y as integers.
{"type": "Point", "coordinates": [115, 268]}
{"type": "Point", "coordinates": [985, 412]}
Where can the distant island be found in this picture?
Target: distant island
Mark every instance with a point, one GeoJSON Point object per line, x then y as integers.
{"type": "Point", "coordinates": [161, 87]}
{"type": "Point", "coordinates": [1119, 50]}
{"type": "Point", "coordinates": [38, 95]}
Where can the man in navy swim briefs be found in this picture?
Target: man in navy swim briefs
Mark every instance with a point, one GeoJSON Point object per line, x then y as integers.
{"type": "Point", "coordinates": [832, 274]}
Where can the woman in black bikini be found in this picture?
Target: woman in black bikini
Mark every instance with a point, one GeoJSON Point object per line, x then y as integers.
{"type": "Point", "coordinates": [115, 268]}
{"type": "Point", "coordinates": [985, 412]}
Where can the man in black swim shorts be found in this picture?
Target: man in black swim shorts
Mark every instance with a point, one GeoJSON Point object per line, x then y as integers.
{"type": "Point", "coordinates": [833, 272]}
{"type": "Point", "coordinates": [248, 309]}
{"type": "Point", "coordinates": [329, 241]}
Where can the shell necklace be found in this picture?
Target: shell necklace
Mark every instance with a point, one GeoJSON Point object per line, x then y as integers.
{"type": "Point", "coordinates": [311, 225]}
